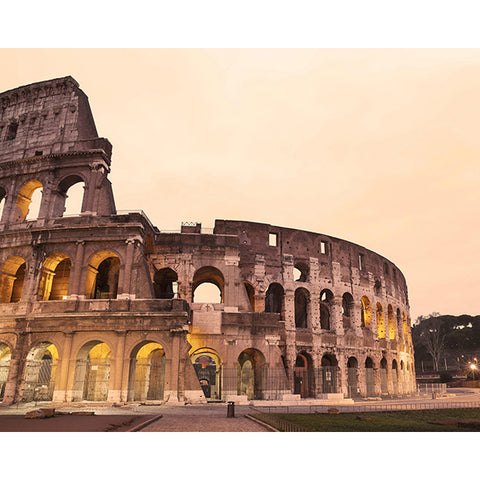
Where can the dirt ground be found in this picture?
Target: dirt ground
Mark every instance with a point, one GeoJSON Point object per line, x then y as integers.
{"type": "Point", "coordinates": [72, 423]}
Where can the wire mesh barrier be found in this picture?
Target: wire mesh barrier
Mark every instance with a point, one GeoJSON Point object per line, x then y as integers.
{"type": "Point", "coordinates": [276, 422]}
{"type": "Point", "coordinates": [39, 380]}
{"type": "Point", "coordinates": [4, 368]}
{"type": "Point", "coordinates": [91, 380]}
{"type": "Point", "coordinates": [394, 407]}
{"type": "Point", "coordinates": [431, 388]}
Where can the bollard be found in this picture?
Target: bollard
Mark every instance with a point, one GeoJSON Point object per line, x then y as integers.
{"type": "Point", "coordinates": [231, 409]}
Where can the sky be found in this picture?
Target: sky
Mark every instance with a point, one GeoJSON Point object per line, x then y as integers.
{"type": "Point", "coordinates": [376, 146]}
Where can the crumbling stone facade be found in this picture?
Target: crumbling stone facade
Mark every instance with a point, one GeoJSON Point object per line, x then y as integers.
{"type": "Point", "coordinates": [103, 306]}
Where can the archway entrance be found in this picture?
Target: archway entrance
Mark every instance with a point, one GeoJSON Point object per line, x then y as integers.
{"type": "Point", "coordinates": [352, 377]}
{"type": "Point", "coordinates": [369, 377]}
{"type": "Point", "coordinates": [92, 372]}
{"type": "Point", "coordinates": [40, 372]}
{"type": "Point", "coordinates": [395, 376]}
{"type": "Point", "coordinates": [329, 373]}
{"type": "Point", "coordinates": [303, 378]}
{"type": "Point", "coordinates": [251, 375]}
{"type": "Point", "coordinates": [208, 367]}
{"type": "Point", "coordinates": [383, 376]}
{"type": "Point", "coordinates": [5, 356]}
{"type": "Point", "coordinates": [147, 372]}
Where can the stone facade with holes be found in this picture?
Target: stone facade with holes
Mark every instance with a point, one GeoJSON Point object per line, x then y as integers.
{"type": "Point", "coordinates": [101, 306]}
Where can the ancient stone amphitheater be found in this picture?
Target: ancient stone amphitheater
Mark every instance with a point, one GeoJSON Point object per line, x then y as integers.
{"type": "Point", "coordinates": [102, 306]}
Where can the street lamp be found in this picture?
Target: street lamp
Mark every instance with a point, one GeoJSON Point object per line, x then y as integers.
{"type": "Point", "coordinates": [473, 367]}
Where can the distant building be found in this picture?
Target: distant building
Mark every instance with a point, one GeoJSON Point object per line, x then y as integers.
{"type": "Point", "coordinates": [103, 306]}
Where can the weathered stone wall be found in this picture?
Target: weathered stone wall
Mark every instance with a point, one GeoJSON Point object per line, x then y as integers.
{"type": "Point", "coordinates": [100, 306]}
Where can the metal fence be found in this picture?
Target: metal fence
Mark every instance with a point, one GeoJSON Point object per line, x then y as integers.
{"type": "Point", "coordinates": [276, 422]}
{"type": "Point", "coordinates": [394, 407]}
{"type": "Point", "coordinates": [431, 388]}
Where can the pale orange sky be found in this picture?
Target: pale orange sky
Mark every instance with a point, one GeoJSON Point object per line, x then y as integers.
{"type": "Point", "coordinates": [379, 147]}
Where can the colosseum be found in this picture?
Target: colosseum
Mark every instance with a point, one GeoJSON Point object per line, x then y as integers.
{"type": "Point", "coordinates": [103, 306]}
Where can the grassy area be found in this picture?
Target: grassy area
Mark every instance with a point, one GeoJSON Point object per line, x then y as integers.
{"type": "Point", "coordinates": [408, 421]}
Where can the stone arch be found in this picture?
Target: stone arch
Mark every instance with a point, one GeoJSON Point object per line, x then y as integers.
{"type": "Point", "coordinates": [370, 377]}
{"type": "Point", "coordinates": [377, 287]}
{"type": "Point", "coordinates": [214, 290]}
{"type": "Point", "coordinates": [165, 283]}
{"type": "Point", "coordinates": [3, 200]}
{"type": "Point", "coordinates": [75, 185]}
{"type": "Point", "coordinates": [405, 326]}
{"type": "Point", "coordinates": [399, 325]}
{"type": "Point", "coordinates": [92, 372]}
{"type": "Point", "coordinates": [366, 315]}
{"type": "Point", "coordinates": [352, 377]}
{"type": "Point", "coordinates": [329, 366]}
{"type": "Point", "coordinates": [54, 277]}
{"type": "Point", "coordinates": [347, 310]}
{"type": "Point", "coordinates": [391, 323]}
{"type": "Point", "coordinates": [302, 299]}
{"type": "Point", "coordinates": [250, 289]}
{"type": "Point", "coordinates": [5, 357]}
{"type": "Point", "coordinates": [301, 271]}
{"type": "Point", "coordinates": [326, 301]}
{"type": "Point", "coordinates": [147, 372]}
{"type": "Point", "coordinates": [383, 376]}
{"type": "Point", "coordinates": [395, 378]}
{"type": "Point", "coordinates": [24, 200]}
{"type": "Point", "coordinates": [102, 275]}
{"type": "Point", "coordinates": [275, 299]}
{"type": "Point", "coordinates": [303, 376]}
{"type": "Point", "coordinates": [380, 321]}
{"type": "Point", "coordinates": [251, 374]}
{"type": "Point", "coordinates": [40, 372]}
{"type": "Point", "coordinates": [208, 366]}
{"type": "Point", "coordinates": [12, 278]}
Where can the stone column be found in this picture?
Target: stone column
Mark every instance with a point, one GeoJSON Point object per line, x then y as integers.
{"type": "Point", "coordinates": [336, 317]}
{"type": "Point", "coordinates": [11, 393]}
{"type": "Point", "coordinates": [125, 281]}
{"type": "Point", "coordinates": [75, 290]}
{"type": "Point", "coordinates": [60, 393]}
{"type": "Point", "coordinates": [115, 384]}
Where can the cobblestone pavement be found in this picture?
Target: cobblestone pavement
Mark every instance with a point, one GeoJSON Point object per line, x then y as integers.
{"type": "Point", "coordinates": [210, 423]}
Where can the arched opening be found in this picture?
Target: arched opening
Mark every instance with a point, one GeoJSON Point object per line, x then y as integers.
{"type": "Point", "coordinates": [302, 298]}
{"type": "Point", "coordinates": [391, 323]}
{"type": "Point", "coordinates": [274, 298]}
{"type": "Point", "coordinates": [377, 287]}
{"type": "Point", "coordinates": [303, 376]}
{"type": "Point", "coordinates": [405, 326]}
{"type": "Point", "coordinates": [329, 373]}
{"type": "Point", "coordinates": [250, 294]}
{"type": "Point", "coordinates": [12, 278]}
{"type": "Point", "coordinates": [326, 300]}
{"type": "Point", "coordinates": [147, 372]}
{"type": "Point", "coordinates": [324, 317]}
{"type": "Point", "coordinates": [40, 373]}
{"type": "Point", "coordinates": [251, 374]}
{"type": "Point", "coordinates": [380, 321]}
{"type": "Point", "coordinates": [54, 277]}
{"type": "Point", "coordinates": [395, 376]}
{"type": "Point", "coordinates": [71, 191]}
{"type": "Point", "coordinates": [5, 356]}
{"type": "Point", "coordinates": [369, 377]}
{"type": "Point", "coordinates": [402, 378]}
{"type": "Point", "coordinates": [366, 313]}
{"type": "Point", "coordinates": [3, 199]}
{"type": "Point", "coordinates": [352, 377]}
{"type": "Point", "coordinates": [300, 272]}
{"type": "Point", "coordinates": [383, 376]}
{"type": "Point", "coordinates": [347, 310]}
{"type": "Point", "coordinates": [28, 201]}
{"type": "Point", "coordinates": [92, 372]}
{"type": "Point", "coordinates": [165, 283]}
{"type": "Point", "coordinates": [208, 367]}
{"type": "Point", "coordinates": [102, 275]}
{"type": "Point", "coordinates": [208, 285]}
